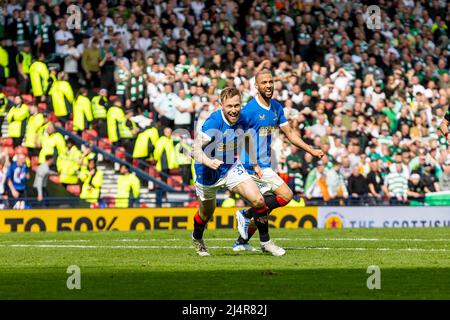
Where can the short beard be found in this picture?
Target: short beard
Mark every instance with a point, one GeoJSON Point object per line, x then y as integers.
{"type": "Point", "coordinates": [263, 94]}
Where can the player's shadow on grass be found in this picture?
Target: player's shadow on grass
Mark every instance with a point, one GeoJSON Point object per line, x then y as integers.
{"type": "Point", "coordinates": [259, 283]}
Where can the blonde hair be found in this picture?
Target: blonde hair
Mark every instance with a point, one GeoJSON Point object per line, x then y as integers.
{"type": "Point", "coordinates": [229, 92]}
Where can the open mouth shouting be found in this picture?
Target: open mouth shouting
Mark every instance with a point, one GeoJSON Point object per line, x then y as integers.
{"type": "Point", "coordinates": [233, 116]}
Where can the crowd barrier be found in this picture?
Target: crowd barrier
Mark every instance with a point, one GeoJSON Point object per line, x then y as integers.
{"type": "Point", "coordinates": [98, 220]}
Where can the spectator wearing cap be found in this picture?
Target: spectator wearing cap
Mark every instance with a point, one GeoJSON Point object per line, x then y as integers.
{"type": "Point", "coordinates": [416, 188]}
{"type": "Point", "coordinates": [429, 179]}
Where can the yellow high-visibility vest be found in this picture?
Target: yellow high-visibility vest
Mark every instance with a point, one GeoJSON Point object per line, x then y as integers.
{"type": "Point", "coordinates": [90, 190]}
{"type": "Point", "coordinates": [17, 117]}
{"type": "Point", "coordinates": [3, 104]}
{"type": "Point", "coordinates": [39, 76]}
{"type": "Point", "coordinates": [82, 113]}
{"type": "Point", "coordinates": [67, 165]}
{"type": "Point", "coordinates": [181, 158]}
{"type": "Point", "coordinates": [114, 116]}
{"type": "Point", "coordinates": [141, 146]}
{"type": "Point", "coordinates": [50, 143]}
{"type": "Point", "coordinates": [98, 111]}
{"type": "Point", "coordinates": [62, 98]}
{"type": "Point", "coordinates": [26, 61]}
{"type": "Point", "coordinates": [35, 122]}
{"type": "Point", "coordinates": [127, 185]}
{"type": "Point", "coordinates": [165, 145]}
{"type": "Point", "coordinates": [4, 61]}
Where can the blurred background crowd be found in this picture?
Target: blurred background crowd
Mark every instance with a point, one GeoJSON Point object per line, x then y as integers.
{"type": "Point", "coordinates": [130, 72]}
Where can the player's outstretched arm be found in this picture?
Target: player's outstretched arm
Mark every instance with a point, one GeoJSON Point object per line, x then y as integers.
{"type": "Point", "coordinates": [201, 157]}
{"type": "Point", "coordinates": [295, 139]}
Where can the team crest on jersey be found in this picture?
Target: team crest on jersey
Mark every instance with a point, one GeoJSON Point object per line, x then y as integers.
{"type": "Point", "coordinates": [262, 116]}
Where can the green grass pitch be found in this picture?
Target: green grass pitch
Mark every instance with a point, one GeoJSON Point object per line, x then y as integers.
{"type": "Point", "coordinates": [319, 264]}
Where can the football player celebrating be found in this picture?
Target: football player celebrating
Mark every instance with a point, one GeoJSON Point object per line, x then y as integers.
{"type": "Point", "coordinates": [265, 117]}
{"type": "Point", "coordinates": [216, 165]}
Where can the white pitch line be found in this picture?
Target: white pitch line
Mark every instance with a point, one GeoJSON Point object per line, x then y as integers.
{"type": "Point", "coordinates": [231, 239]}
{"type": "Point", "coordinates": [215, 247]}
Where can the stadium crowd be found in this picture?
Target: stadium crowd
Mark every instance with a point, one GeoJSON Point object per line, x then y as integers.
{"type": "Point", "coordinates": [132, 71]}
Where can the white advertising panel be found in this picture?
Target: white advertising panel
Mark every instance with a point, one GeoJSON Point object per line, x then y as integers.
{"type": "Point", "coordinates": [383, 217]}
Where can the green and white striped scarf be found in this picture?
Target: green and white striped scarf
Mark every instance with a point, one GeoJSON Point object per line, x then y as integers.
{"type": "Point", "coordinates": [20, 32]}
{"type": "Point", "coordinates": [43, 30]}
{"type": "Point", "coordinates": [299, 183]}
{"type": "Point", "coordinates": [122, 83]}
{"type": "Point", "coordinates": [136, 88]}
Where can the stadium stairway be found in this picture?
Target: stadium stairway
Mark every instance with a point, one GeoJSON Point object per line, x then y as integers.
{"type": "Point", "coordinates": [109, 186]}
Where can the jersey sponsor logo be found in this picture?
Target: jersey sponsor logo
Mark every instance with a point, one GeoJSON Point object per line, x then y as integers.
{"type": "Point", "coordinates": [267, 131]}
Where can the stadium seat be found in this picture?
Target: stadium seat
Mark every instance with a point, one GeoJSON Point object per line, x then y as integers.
{"type": "Point", "coordinates": [90, 135]}
{"type": "Point", "coordinates": [175, 172]}
{"type": "Point", "coordinates": [27, 98]}
{"type": "Point", "coordinates": [10, 91]}
{"type": "Point", "coordinates": [7, 142]}
{"type": "Point", "coordinates": [105, 144]}
{"type": "Point", "coordinates": [175, 181]}
{"type": "Point", "coordinates": [74, 189]}
{"type": "Point", "coordinates": [11, 82]}
{"type": "Point", "coordinates": [192, 204]}
{"type": "Point", "coordinates": [109, 201]}
{"type": "Point", "coordinates": [153, 172]}
{"type": "Point", "coordinates": [120, 153]}
{"type": "Point", "coordinates": [52, 117]}
{"type": "Point", "coordinates": [54, 179]}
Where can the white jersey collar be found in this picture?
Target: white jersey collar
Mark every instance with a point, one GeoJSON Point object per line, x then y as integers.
{"type": "Point", "coordinates": [225, 119]}
{"type": "Point", "coordinates": [261, 104]}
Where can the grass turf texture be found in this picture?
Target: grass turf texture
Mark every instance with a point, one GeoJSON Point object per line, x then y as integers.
{"type": "Point", "coordinates": [319, 264]}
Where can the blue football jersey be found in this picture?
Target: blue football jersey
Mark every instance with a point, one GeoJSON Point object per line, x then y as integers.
{"type": "Point", "coordinates": [223, 145]}
{"type": "Point", "coordinates": [262, 122]}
